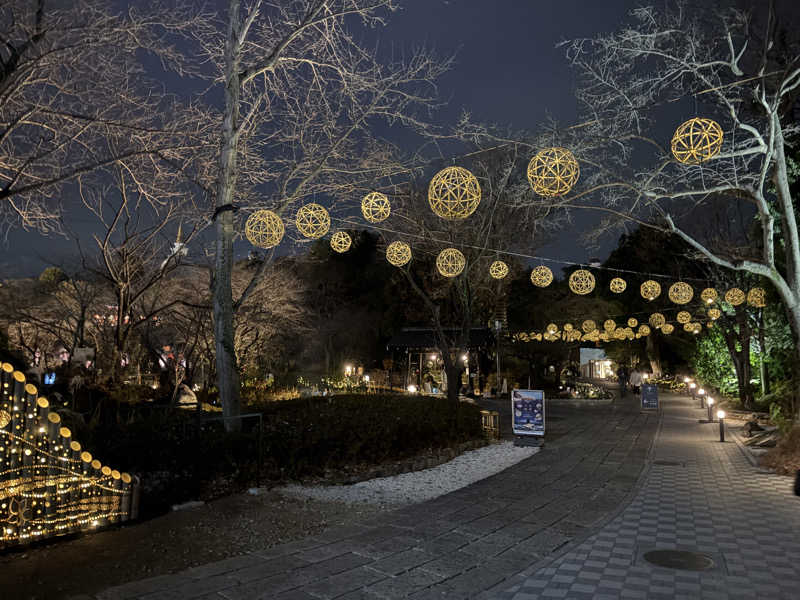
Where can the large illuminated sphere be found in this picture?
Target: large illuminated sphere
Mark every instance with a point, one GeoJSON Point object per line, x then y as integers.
{"type": "Point", "coordinates": [375, 207]}
{"type": "Point", "coordinates": [632, 322]}
{"type": "Point", "coordinates": [553, 172]}
{"type": "Point", "coordinates": [541, 276]}
{"type": "Point", "coordinates": [617, 285]}
{"type": "Point", "coordinates": [313, 221]}
{"type": "Point", "coordinates": [688, 327]}
{"type": "Point", "coordinates": [552, 328]}
{"type": "Point", "coordinates": [620, 333]}
{"type": "Point", "coordinates": [708, 295]}
{"type": "Point", "coordinates": [735, 296]}
{"type": "Point", "coordinates": [684, 317]}
{"type": "Point", "coordinates": [341, 241]}
{"type": "Point", "coordinates": [714, 313]}
{"type": "Point", "coordinates": [757, 297]}
{"type": "Point", "coordinates": [498, 269]}
{"type": "Point", "coordinates": [588, 326]}
{"type": "Point", "coordinates": [398, 253]}
{"type": "Point", "coordinates": [609, 325]}
{"type": "Point", "coordinates": [264, 229]}
{"type": "Point", "coordinates": [581, 282]}
{"type": "Point", "coordinates": [644, 330]}
{"type": "Point", "coordinates": [454, 193]}
{"type": "Point", "coordinates": [697, 140]}
{"type": "Point", "coordinates": [5, 418]}
{"type": "Point", "coordinates": [450, 262]}
{"type": "Point", "coordinates": [667, 328]}
{"type": "Point", "coordinates": [650, 289]}
{"type": "Point", "coordinates": [681, 292]}
{"type": "Point", "coordinates": [657, 320]}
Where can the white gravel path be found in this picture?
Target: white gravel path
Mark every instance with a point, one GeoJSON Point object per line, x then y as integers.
{"type": "Point", "coordinates": [418, 486]}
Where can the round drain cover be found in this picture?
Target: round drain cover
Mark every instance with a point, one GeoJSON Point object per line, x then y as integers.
{"type": "Point", "coordinates": [679, 559]}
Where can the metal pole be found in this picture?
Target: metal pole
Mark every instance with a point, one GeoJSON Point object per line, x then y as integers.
{"type": "Point", "coordinates": [710, 416]}
{"type": "Point", "coordinates": [722, 430]}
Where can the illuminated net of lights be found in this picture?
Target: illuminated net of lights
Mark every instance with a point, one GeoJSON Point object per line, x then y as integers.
{"type": "Point", "coordinates": [617, 285]}
{"type": "Point", "coordinates": [313, 221]}
{"type": "Point", "coordinates": [341, 241]}
{"type": "Point", "coordinates": [588, 326]}
{"type": "Point", "coordinates": [48, 486]}
{"type": "Point", "coordinates": [264, 229]}
{"type": "Point", "coordinates": [657, 320]}
{"type": "Point", "coordinates": [376, 207]}
{"type": "Point", "coordinates": [650, 290]}
{"type": "Point", "coordinates": [553, 172]}
{"type": "Point", "coordinates": [398, 253]}
{"type": "Point", "coordinates": [681, 293]}
{"type": "Point", "coordinates": [632, 322]}
{"type": "Point", "coordinates": [667, 328]}
{"type": "Point", "coordinates": [541, 276]}
{"type": "Point", "coordinates": [697, 140]}
{"type": "Point", "coordinates": [454, 193]}
{"type": "Point", "coordinates": [684, 316]}
{"type": "Point", "coordinates": [498, 269]}
{"type": "Point", "coordinates": [708, 295]}
{"type": "Point", "coordinates": [735, 296]}
{"type": "Point", "coordinates": [757, 297]}
{"type": "Point", "coordinates": [450, 262]}
{"type": "Point", "coordinates": [581, 282]}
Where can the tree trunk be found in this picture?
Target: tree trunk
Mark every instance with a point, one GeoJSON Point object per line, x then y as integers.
{"type": "Point", "coordinates": [654, 355]}
{"type": "Point", "coordinates": [453, 374]}
{"type": "Point", "coordinates": [762, 343]}
{"type": "Point", "coordinates": [227, 372]}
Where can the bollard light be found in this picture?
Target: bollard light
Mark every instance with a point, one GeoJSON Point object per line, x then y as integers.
{"type": "Point", "coordinates": [710, 404]}
{"type": "Point", "coordinates": [721, 417]}
{"type": "Point", "coordinates": [412, 389]}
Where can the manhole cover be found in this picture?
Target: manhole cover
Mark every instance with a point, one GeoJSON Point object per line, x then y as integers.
{"type": "Point", "coordinates": [679, 559]}
{"type": "Point", "coordinates": [668, 463]}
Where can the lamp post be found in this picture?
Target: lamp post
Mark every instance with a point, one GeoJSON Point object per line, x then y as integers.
{"type": "Point", "coordinates": [692, 386]}
{"type": "Point", "coordinates": [721, 417]}
{"type": "Point", "coordinates": [701, 392]}
{"type": "Point", "coordinates": [710, 404]}
{"type": "Point", "coordinates": [498, 325]}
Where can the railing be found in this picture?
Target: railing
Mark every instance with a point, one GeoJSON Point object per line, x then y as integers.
{"type": "Point", "coordinates": [48, 485]}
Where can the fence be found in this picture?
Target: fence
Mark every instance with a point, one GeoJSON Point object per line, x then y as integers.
{"type": "Point", "coordinates": [48, 485]}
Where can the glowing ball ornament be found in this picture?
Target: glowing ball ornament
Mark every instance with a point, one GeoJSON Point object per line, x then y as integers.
{"type": "Point", "coordinates": [5, 418]}
{"type": "Point", "coordinates": [684, 316]}
{"type": "Point", "coordinates": [581, 282]}
{"type": "Point", "coordinates": [681, 293]}
{"type": "Point", "coordinates": [644, 330]}
{"type": "Point", "coordinates": [714, 313]}
{"type": "Point", "coordinates": [667, 328]}
{"type": "Point", "coordinates": [375, 207]}
{"type": "Point", "coordinates": [553, 172]}
{"type": "Point", "coordinates": [657, 320]}
{"type": "Point", "coordinates": [264, 229]}
{"type": "Point", "coordinates": [454, 193]}
{"type": "Point", "coordinates": [617, 285]}
{"type": "Point", "coordinates": [632, 322]}
{"type": "Point", "coordinates": [498, 269]}
{"type": "Point", "coordinates": [552, 328]}
{"type": "Point", "coordinates": [313, 221]}
{"type": "Point", "coordinates": [709, 295]}
{"type": "Point", "coordinates": [588, 326]}
{"type": "Point", "coordinates": [697, 140]}
{"type": "Point", "coordinates": [735, 296]}
{"type": "Point", "coordinates": [541, 276]}
{"type": "Point", "coordinates": [398, 253]}
{"type": "Point", "coordinates": [341, 241]}
{"type": "Point", "coordinates": [450, 262]}
{"type": "Point", "coordinates": [609, 325]}
{"type": "Point", "coordinates": [757, 297]}
{"type": "Point", "coordinates": [650, 290]}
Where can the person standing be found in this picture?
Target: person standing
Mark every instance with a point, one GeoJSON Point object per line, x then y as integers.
{"type": "Point", "coordinates": [622, 375]}
{"type": "Point", "coordinates": [636, 381]}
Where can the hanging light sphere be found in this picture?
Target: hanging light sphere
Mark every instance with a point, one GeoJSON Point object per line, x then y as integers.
{"type": "Point", "coordinates": [498, 269]}
{"type": "Point", "coordinates": [696, 328]}
{"type": "Point", "coordinates": [313, 221]}
{"type": "Point", "coordinates": [632, 322]}
{"type": "Point", "coordinates": [667, 328]}
{"type": "Point", "coordinates": [568, 327]}
{"type": "Point", "coordinates": [588, 326]}
{"type": "Point", "coordinates": [375, 207]}
{"type": "Point", "coordinates": [604, 336]}
{"type": "Point", "coordinates": [650, 289]}
{"type": "Point", "coordinates": [697, 140]}
{"type": "Point", "coordinates": [450, 262]}
{"type": "Point", "coordinates": [684, 317]}
{"type": "Point", "coordinates": [5, 418]}
{"type": "Point", "coordinates": [617, 285]}
{"type": "Point", "coordinates": [710, 324]}
{"type": "Point", "coordinates": [714, 313]}
{"type": "Point", "coordinates": [553, 172]}
{"type": "Point", "coordinates": [757, 297]}
{"type": "Point", "coordinates": [552, 328]}
{"type": "Point", "coordinates": [734, 296]}
{"type": "Point", "coordinates": [644, 330]}
{"type": "Point", "coordinates": [620, 334]}
{"type": "Point", "coordinates": [581, 282]}
{"type": "Point", "coordinates": [609, 325]}
{"type": "Point", "coordinates": [398, 253]}
{"type": "Point", "coordinates": [708, 295]}
{"type": "Point", "coordinates": [341, 241]}
{"type": "Point", "coordinates": [454, 193]}
{"type": "Point", "coordinates": [657, 320]}
{"type": "Point", "coordinates": [680, 292]}
{"type": "Point", "coordinates": [264, 229]}
{"type": "Point", "coordinates": [688, 327]}
{"type": "Point", "coordinates": [541, 276]}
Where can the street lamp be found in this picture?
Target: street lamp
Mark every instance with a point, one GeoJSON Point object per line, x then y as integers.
{"type": "Point", "coordinates": [412, 389]}
{"type": "Point", "coordinates": [721, 417]}
{"type": "Point", "coordinates": [498, 325]}
{"type": "Point", "coordinates": [691, 389]}
{"type": "Point", "coordinates": [701, 392]}
{"type": "Point", "coordinates": [710, 404]}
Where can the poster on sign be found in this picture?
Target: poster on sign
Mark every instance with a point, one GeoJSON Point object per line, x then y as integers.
{"type": "Point", "coordinates": [527, 412]}
{"type": "Point", "coordinates": [649, 396]}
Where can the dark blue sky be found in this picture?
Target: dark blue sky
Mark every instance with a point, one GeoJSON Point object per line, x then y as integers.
{"type": "Point", "coordinates": [507, 72]}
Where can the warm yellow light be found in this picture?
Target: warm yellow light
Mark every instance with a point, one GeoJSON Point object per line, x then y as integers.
{"type": "Point", "coordinates": [650, 290]}
{"type": "Point", "coordinates": [581, 282]}
{"type": "Point", "coordinates": [375, 207]}
{"type": "Point", "coordinates": [553, 172]}
{"type": "Point", "coordinates": [341, 241]}
{"type": "Point", "coordinates": [398, 253]}
{"type": "Point", "coordinates": [412, 389]}
{"type": "Point", "coordinates": [313, 220]}
{"type": "Point", "coordinates": [541, 276]}
{"type": "Point", "coordinates": [720, 414]}
{"type": "Point", "coordinates": [701, 391]}
{"type": "Point", "coordinates": [454, 193]}
{"type": "Point", "coordinates": [709, 400]}
{"type": "Point", "coordinates": [264, 229]}
{"type": "Point", "coordinates": [697, 140]}
{"type": "Point", "coordinates": [450, 262]}
{"type": "Point", "coordinates": [692, 385]}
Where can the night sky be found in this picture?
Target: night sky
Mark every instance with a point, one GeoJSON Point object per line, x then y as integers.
{"type": "Point", "coordinates": [507, 72]}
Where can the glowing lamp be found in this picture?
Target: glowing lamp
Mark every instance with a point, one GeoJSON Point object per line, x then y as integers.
{"type": "Point", "coordinates": [412, 389]}
{"type": "Point", "coordinates": [720, 414]}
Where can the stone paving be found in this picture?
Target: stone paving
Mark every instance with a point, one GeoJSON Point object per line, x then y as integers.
{"type": "Point", "coordinates": [456, 546]}
{"type": "Point", "coordinates": [700, 495]}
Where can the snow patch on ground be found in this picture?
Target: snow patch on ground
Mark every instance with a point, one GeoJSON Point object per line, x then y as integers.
{"type": "Point", "coordinates": [418, 486]}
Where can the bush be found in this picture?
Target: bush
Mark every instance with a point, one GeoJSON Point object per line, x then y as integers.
{"type": "Point", "coordinates": [785, 457]}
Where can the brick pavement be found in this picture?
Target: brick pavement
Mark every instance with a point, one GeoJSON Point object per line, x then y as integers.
{"type": "Point", "coordinates": [455, 546]}
{"type": "Point", "coordinates": [699, 495]}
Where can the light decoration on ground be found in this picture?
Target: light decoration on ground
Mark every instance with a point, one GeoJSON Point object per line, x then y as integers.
{"type": "Point", "coordinates": [498, 269]}
{"type": "Point", "coordinates": [375, 207]}
{"type": "Point", "coordinates": [48, 486]}
{"type": "Point", "coordinates": [450, 262]}
{"type": "Point", "coordinates": [313, 221]}
{"type": "Point", "coordinates": [667, 328]}
{"type": "Point", "coordinates": [581, 282]}
{"type": "Point", "coordinates": [735, 296]}
{"type": "Point", "coordinates": [714, 313]}
{"type": "Point", "coordinates": [264, 229]}
{"type": "Point", "coordinates": [541, 276]}
{"type": "Point", "coordinates": [709, 295]}
{"type": "Point", "coordinates": [553, 172]}
{"type": "Point", "coordinates": [657, 320]}
{"type": "Point", "coordinates": [454, 193]}
{"type": "Point", "coordinates": [632, 322]}
{"type": "Point", "coordinates": [609, 325]}
{"type": "Point", "coordinates": [757, 297]}
{"type": "Point", "coordinates": [341, 241]}
{"type": "Point", "coordinates": [650, 290]}
{"type": "Point", "coordinates": [617, 285]}
{"type": "Point", "coordinates": [398, 253]}
{"type": "Point", "coordinates": [588, 326]}
{"type": "Point", "coordinates": [684, 316]}
{"type": "Point", "coordinates": [697, 140]}
{"type": "Point", "coordinates": [681, 293]}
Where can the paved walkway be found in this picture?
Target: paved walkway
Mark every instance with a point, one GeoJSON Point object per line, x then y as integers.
{"type": "Point", "coordinates": [699, 495]}
{"type": "Point", "coordinates": [456, 546]}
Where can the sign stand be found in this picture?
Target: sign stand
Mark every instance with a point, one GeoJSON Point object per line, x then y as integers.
{"type": "Point", "coordinates": [649, 396]}
{"type": "Point", "coordinates": [528, 417]}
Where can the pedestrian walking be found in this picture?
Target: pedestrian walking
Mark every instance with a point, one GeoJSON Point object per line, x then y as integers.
{"type": "Point", "coordinates": [636, 381]}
